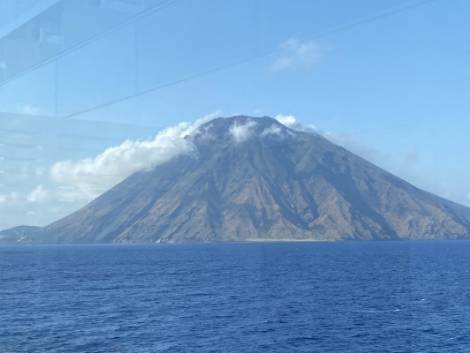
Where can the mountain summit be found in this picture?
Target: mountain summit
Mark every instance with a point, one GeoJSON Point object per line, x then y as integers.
{"type": "Point", "coordinates": [256, 179]}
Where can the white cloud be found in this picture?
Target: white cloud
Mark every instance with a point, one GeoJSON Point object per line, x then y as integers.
{"type": "Point", "coordinates": [287, 120]}
{"type": "Point", "coordinates": [242, 132]}
{"type": "Point", "coordinates": [272, 130]}
{"type": "Point", "coordinates": [38, 194]}
{"type": "Point", "coordinates": [9, 198]}
{"type": "Point", "coordinates": [72, 184]}
{"type": "Point", "coordinates": [91, 176]}
{"type": "Point", "coordinates": [312, 127]}
{"type": "Point", "coordinates": [296, 53]}
{"type": "Point", "coordinates": [292, 123]}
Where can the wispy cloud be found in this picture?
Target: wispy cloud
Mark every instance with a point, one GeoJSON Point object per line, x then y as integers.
{"type": "Point", "coordinates": [287, 120]}
{"type": "Point", "coordinates": [272, 130]}
{"type": "Point", "coordinates": [38, 194]}
{"type": "Point", "coordinates": [9, 198]}
{"type": "Point", "coordinates": [242, 132]}
{"type": "Point", "coordinates": [92, 176]}
{"type": "Point", "coordinates": [295, 53]}
{"type": "Point", "coordinates": [291, 122]}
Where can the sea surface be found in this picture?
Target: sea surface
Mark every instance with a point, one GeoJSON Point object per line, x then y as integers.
{"type": "Point", "coordinates": [349, 297]}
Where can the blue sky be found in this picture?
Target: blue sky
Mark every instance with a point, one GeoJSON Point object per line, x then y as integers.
{"type": "Point", "coordinates": [394, 90]}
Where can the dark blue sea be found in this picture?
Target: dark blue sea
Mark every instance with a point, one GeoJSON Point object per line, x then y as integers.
{"type": "Point", "coordinates": [265, 297]}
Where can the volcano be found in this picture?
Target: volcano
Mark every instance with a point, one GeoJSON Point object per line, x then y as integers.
{"type": "Point", "coordinates": [255, 179]}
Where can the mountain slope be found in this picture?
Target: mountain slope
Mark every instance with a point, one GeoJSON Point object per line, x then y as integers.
{"type": "Point", "coordinates": [255, 179]}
